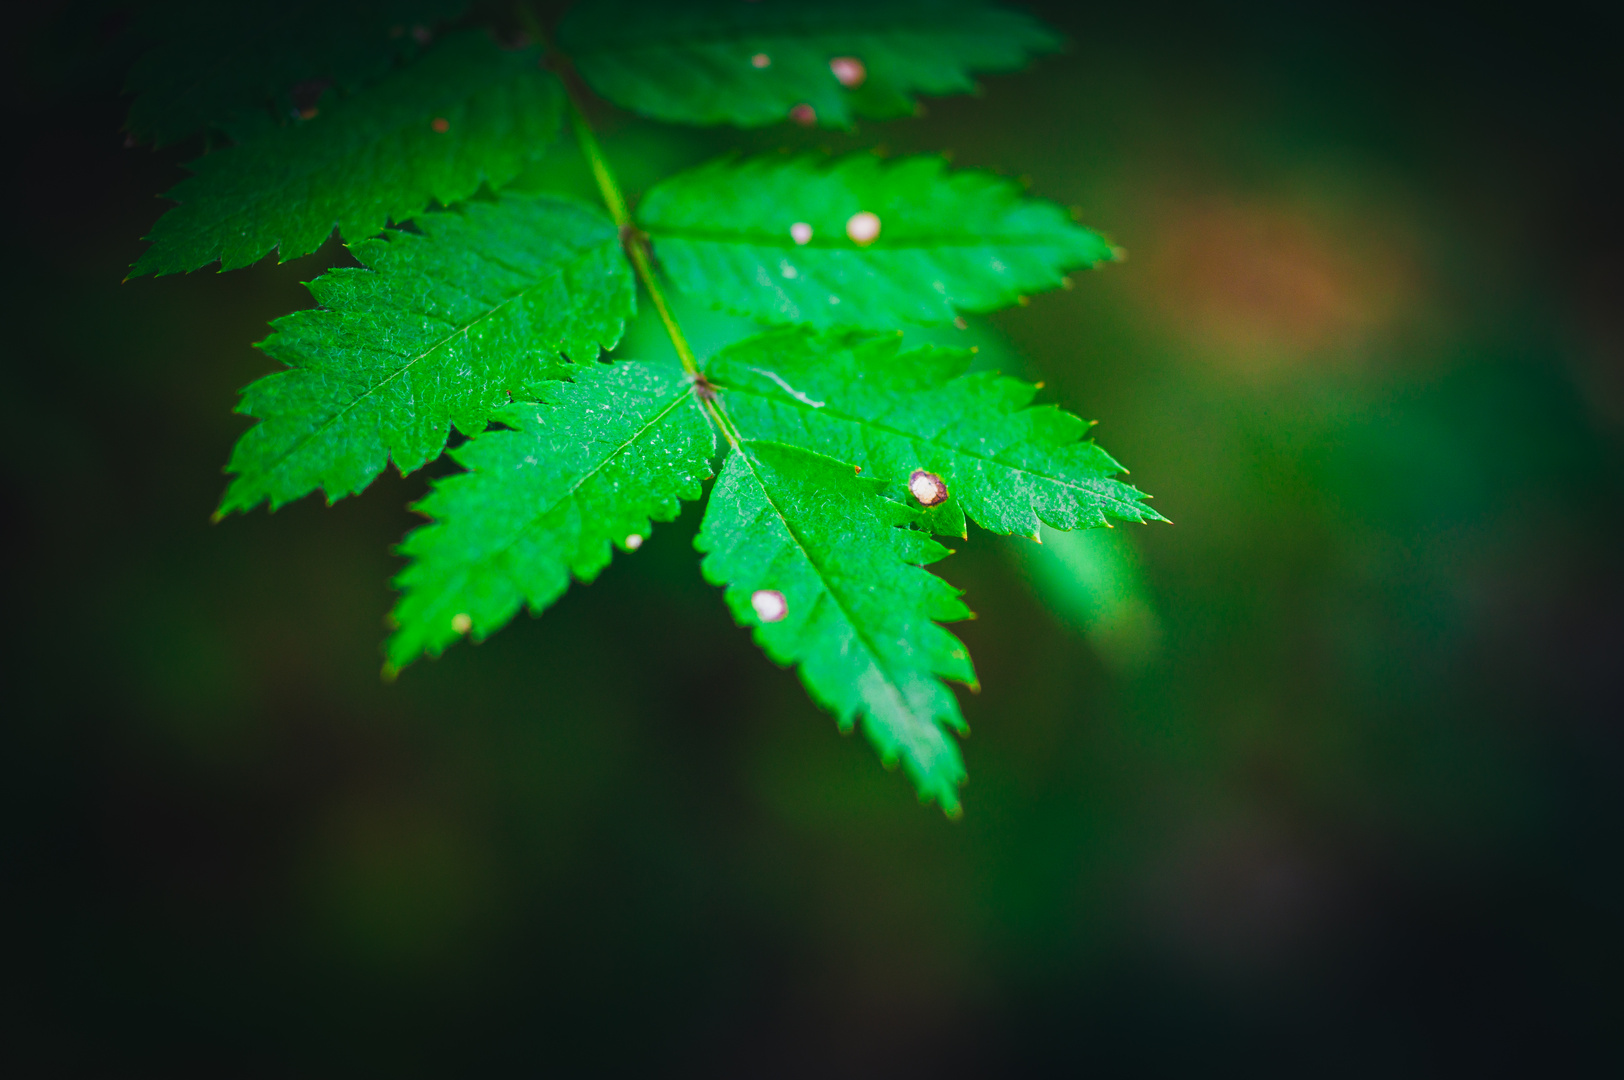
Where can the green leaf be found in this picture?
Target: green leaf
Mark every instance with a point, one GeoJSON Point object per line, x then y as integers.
{"type": "Point", "coordinates": [215, 61]}
{"type": "Point", "coordinates": [866, 400]}
{"type": "Point", "coordinates": [726, 233]}
{"type": "Point", "coordinates": [378, 156]}
{"type": "Point", "coordinates": [586, 468]}
{"type": "Point", "coordinates": [858, 614]}
{"type": "Point", "coordinates": [444, 325]}
{"type": "Point", "coordinates": [726, 62]}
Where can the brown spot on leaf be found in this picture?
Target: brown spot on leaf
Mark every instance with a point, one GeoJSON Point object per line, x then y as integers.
{"type": "Point", "coordinates": [849, 70]}
{"type": "Point", "coordinates": [927, 487]}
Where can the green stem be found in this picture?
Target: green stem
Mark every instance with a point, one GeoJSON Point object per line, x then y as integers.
{"type": "Point", "coordinates": [634, 240]}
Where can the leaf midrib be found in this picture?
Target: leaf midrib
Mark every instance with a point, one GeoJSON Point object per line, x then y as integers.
{"type": "Point", "coordinates": [776, 243]}
{"type": "Point", "coordinates": [466, 570]}
{"type": "Point", "coordinates": [832, 411]}
{"type": "Point", "coordinates": [462, 330]}
{"type": "Point", "coordinates": [823, 577]}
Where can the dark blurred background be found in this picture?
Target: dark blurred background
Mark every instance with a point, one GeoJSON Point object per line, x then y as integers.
{"type": "Point", "coordinates": [1319, 781]}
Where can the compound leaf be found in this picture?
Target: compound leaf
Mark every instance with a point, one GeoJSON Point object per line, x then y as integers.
{"type": "Point", "coordinates": [892, 411]}
{"type": "Point", "coordinates": [725, 62]}
{"type": "Point", "coordinates": [440, 329]}
{"type": "Point", "coordinates": [213, 62]}
{"type": "Point", "coordinates": [815, 559]}
{"type": "Point", "coordinates": [859, 242]}
{"type": "Point", "coordinates": [587, 467]}
{"type": "Point", "coordinates": [467, 113]}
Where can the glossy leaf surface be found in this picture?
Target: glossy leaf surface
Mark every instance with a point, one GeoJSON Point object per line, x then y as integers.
{"type": "Point", "coordinates": [867, 400]}
{"type": "Point", "coordinates": [858, 615]}
{"type": "Point", "coordinates": [772, 238]}
{"type": "Point", "coordinates": [444, 326]}
{"type": "Point", "coordinates": [585, 469]}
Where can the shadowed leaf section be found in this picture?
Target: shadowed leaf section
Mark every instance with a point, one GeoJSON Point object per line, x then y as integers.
{"type": "Point", "coordinates": [467, 114]}
{"type": "Point", "coordinates": [751, 64]}
{"type": "Point", "coordinates": [444, 326]}
{"type": "Point", "coordinates": [775, 239]}
{"type": "Point", "coordinates": [584, 469]}
{"type": "Point", "coordinates": [214, 62]}
{"type": "Point", "coordinates": [858, 615]}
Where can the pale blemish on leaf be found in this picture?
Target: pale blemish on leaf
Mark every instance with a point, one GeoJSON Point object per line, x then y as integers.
{"type": "Point", "coordinates": [849, 70]}
{"type": "Point", "coordinates": [863, 227]}
{"type": "Point", "coordinates": [770, 605]}
{"type": "Point", "coordinates": [927, 487]}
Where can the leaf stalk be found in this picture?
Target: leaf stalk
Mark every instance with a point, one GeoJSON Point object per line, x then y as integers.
{"type": "Point", "coordinates": [632, 239]}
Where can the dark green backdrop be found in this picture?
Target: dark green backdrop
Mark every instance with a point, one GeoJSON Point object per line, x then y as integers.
{"type": "Point", "coordinates": [1322, 780]}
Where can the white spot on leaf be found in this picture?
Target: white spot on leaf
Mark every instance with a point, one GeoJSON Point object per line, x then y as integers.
{"type": "Point", "coordinates": [927, 487]}
{"type": "Point", "coordinates": [761, 60]}
{"type": "Point", "coordinates": [863, 227]}
{"type": "Point", "coordinates": [633, 542]}
{"type": "Point", "coordinates": [770, 605]}
{"type": "Point", "coordinates": [849, 70]}
{"type": "Point", "coordinates": [461, 623]}
{"type": "Point", "coordinates": [801, 233]}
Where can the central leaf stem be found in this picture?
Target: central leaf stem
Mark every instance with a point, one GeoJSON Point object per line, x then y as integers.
{"type": "Point", "coordinates": [634, 241]}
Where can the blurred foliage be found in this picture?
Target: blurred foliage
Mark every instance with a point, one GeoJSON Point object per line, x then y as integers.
{"type": "Point", "coordinates": [1352, 807]}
